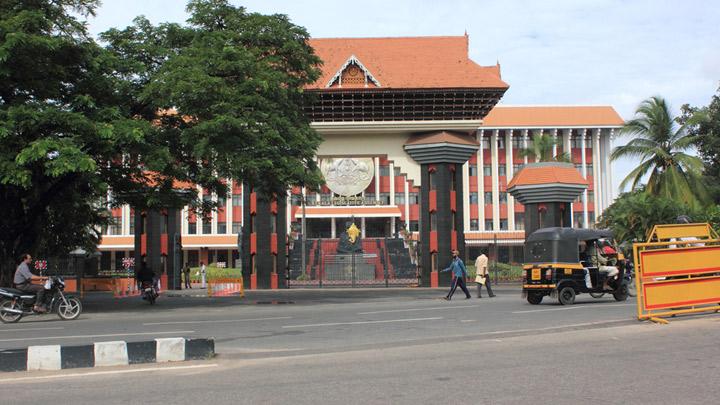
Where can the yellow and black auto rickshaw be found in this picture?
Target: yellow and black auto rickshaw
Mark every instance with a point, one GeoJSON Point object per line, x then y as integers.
{"type": "Point", "coordinates": [564, 262]}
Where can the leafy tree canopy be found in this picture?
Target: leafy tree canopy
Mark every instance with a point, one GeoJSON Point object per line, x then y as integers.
{"type": "Point", "coordinates": [158, 107]}
{"type": "Point", "coordinates": [661, 145]}
{"type": "Point", "coordinates": [703, 124]}
{"type": "Point", "coordinates": [542, 147]}
{"type": "Point", "coordinates": [633, 214]}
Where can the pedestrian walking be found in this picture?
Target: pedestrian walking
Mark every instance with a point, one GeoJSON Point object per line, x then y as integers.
{"type": "Point", "coordinates": [186, 273]}
{"type": "Point", "coordinates": [203, 271]}
{"type": "Point", "coordinates": [482, 276]}
{"type": "Point", "coordinates": [459, 275]}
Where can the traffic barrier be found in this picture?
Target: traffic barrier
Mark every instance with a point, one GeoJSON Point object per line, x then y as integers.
{"type": "Point", "coordinates": [125, 287]}
{"type": "Point", "coordinates": [223, 287]}
{"type": "Point", "coordinates": [677, 271]}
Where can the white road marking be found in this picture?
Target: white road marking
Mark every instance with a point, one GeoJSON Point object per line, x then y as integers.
{"type": "Point", "coordinates": [30, 329]}
{"type": "Point", "coordinates": [175, 332]}
{"type": "Point", "coordinates": [467, 320]}
{"type": "Point", "coordinates": [565, 308]}
{"type": "Point", "coordinates": [96, 373]}
{"type": "Point", "coordinates": [216, 321]}
{"type": "Point", "coordinates": [361, 322]}
{"type": "Point", "coordinates": [418, 309]}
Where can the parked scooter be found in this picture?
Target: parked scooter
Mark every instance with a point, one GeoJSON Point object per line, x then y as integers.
{"type": "Point", "coordinates": [14, 304]}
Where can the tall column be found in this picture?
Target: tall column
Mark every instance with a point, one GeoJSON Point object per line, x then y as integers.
{"type": "Point", "coordinates": [392, 183]}
{"type": "Point", "coordinates": [567, 148]}
{"type": "Point", "coordinates": [554, 137]}
{"type": "Point", "coordinates": [362, 227]}
{"type": "Point", "coordinates": [583, 145]}
{"type": "Point", "coordinates": [377, 180]}
{"type": "Point", "coordinates": [126, 219]}
{"type": "Point", "coordinates": [214, 216]}
{"type": "Point", "coordinates": [508, 175]}
{"type": "Point", "coordinates": [466, 195]}
{"type": "Point", "coordinates": [607, 172]}
{"type": "Point", "coordinates": [199, 218]}
{"type": "Point", "coordinates": [333, 228]}
{"type": "Point", "coordinates": [229, 210]}
{"type": "Point", "coordinates": [481, 181]}
{"type": "Point", "coordinates": [566, 141]}
{"type": "Point", "coordinates": [495, 180]}
{"type": "Point", "coordinates": [407, 205]}
{"type": "Point", "coordinates": [525, 144]}
{"type": "Point", "coordinates": [597, 181]}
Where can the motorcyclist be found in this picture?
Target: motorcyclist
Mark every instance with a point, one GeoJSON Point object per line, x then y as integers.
{"type": "Point", "coordinates": [23, 282]}
{"type": "Point", "coordinates": [145, 275]}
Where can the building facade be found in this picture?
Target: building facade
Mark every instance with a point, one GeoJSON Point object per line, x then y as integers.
{"type": "Point", "coordinates": [414, 122]}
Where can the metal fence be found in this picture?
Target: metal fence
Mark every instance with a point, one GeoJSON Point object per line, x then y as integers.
{"type": "Point", "coordinates": [383, 262]}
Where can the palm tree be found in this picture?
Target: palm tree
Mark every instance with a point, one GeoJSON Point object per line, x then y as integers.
{"type": "Point", "coordinates": [659, 143]}
{"type": "Point", "coordinates": [542, 149]}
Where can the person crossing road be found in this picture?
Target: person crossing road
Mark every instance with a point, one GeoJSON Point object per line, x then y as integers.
{"type": "Point", "coordinates": [459, 274]}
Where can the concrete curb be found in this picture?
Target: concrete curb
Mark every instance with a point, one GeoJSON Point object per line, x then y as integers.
{"type": "Point", "coordinates": [103, 354]}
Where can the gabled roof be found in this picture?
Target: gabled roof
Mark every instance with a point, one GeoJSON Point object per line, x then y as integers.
{"type": "Point", "coordinates": [408, 62]}
{"type": "Point", "coordinates": [549, 116]}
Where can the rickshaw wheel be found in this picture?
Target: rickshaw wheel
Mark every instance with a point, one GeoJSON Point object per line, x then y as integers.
{"type": "Point", "coordinates": [534, 298]}
{"type": "Point", "coordinates": [597, 294]}
{"type": "Point", "coordinates": [622, 293]}
{"type": "Point", "coordinates": [567, 296]}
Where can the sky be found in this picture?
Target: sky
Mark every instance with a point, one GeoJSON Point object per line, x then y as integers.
{"type": "Point", "coordinates": [552, 52]}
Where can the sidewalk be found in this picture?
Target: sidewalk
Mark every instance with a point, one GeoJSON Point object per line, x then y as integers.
{"type": "Point", "coordinates": [105, 302]}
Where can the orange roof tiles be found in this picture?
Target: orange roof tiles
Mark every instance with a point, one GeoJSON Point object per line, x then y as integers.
{"type": "Point", "coordinates": [550, 174]}
{"type": "Point", "coordinates": [548, 116]}
{"type": "Point", "coordinates": [408, 62]}
{"type": "Point", "coordinates": [442, 137]}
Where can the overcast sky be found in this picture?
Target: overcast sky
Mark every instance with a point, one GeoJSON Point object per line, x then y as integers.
{"type": "Point", "coordinates": [574, 52]}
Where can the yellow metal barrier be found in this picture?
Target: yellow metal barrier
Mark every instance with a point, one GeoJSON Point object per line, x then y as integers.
{"type": "Point", "coordinates": [223, 287]}
{"type": "Point", "coordinates": [677, 271]}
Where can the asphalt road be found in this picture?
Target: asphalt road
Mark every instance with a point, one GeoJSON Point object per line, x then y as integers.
{"type": "Point", "coordinates": [639, 363]}
{"type": "Point", "coordinates": [297, 322]}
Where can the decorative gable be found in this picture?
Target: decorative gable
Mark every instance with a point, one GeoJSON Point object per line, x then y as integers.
{"type": "Point", "coordinates": [353, 74]}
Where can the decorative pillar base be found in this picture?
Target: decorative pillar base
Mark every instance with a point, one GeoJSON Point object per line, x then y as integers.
{"type": "Point", "coordinates": [273, 281]}
{"type": "Point", "coordinates": [434, 279]}
{"type": "Point", "coordinates": [253, 281]}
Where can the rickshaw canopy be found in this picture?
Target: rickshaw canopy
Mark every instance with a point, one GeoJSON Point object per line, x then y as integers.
{"type": "Point", "coordinates": [559, 245]}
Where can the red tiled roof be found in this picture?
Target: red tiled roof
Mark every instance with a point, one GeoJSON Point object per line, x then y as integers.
{"type": "Point", "coordinates": [535, 175]}
{"type": "Point", "coordinates": [442, 137]}
{"type": "Point", "coordinates": [547, 116]}
{"type": "Point", "coordinates": [408, 62]}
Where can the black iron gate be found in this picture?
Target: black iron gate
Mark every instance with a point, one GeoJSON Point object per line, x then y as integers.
{"type": "Point", "coordinates": [383, 262]}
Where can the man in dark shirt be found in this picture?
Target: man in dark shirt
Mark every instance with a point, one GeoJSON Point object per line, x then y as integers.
{"type": "Point", "coordinates": [23, 282]}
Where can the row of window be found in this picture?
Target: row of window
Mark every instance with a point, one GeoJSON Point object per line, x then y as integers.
{"type": "Point", "coordinates": [517, 142]}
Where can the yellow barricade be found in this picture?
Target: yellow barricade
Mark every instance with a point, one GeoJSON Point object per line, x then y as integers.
{"type": "Point", "coordinates": [223, 287]}
{"type": "Point", "coordinates": [677, 271]}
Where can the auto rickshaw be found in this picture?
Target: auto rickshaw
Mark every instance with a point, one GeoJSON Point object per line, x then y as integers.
{"type": "Point", "coordinates": [558, 262]}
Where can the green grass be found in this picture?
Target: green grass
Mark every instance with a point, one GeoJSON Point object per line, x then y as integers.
{"type": "Point", "coordinates": [213, 273]}
{"type": "Point", "coordinates": [506, 272]}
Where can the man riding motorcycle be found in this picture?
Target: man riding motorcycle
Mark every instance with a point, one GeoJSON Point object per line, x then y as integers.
{"type": "Point", "coordinates": [23, 282]}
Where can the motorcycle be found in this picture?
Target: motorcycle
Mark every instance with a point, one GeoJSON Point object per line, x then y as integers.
{"type": "Point", "coordinates": [15, 304]}
{"type": "Point", "coordinates": [149, 293]}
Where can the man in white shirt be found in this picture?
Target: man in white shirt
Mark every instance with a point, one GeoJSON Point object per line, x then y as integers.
{"type": "Point", "coordinates": [482, 275]}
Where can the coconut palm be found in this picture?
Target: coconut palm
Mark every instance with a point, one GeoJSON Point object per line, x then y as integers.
{"type": "Point", "coordinates": [660, 144]}
{"type": "Point", "coordinates": [542, 150]}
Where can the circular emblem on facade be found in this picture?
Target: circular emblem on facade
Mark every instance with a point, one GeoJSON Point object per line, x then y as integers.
{"type": "Point", "coordinates": [347, 176]}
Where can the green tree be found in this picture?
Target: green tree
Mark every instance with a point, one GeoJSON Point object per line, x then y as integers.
{"type": "Point", "coordinates": [542, 148]}
{"type": "Point", "coordinates": [703, 123]}
{"type": "Point", "coordinates": [235, 84]}
{"type": "Point", "coordinates": [632, 215]}
{"type": "Point", "coordinates": [158, 107]}
{"type": "Point", "coordinates": [660, 144]}
{"type": "Point", "coordinates": [61, 127]}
